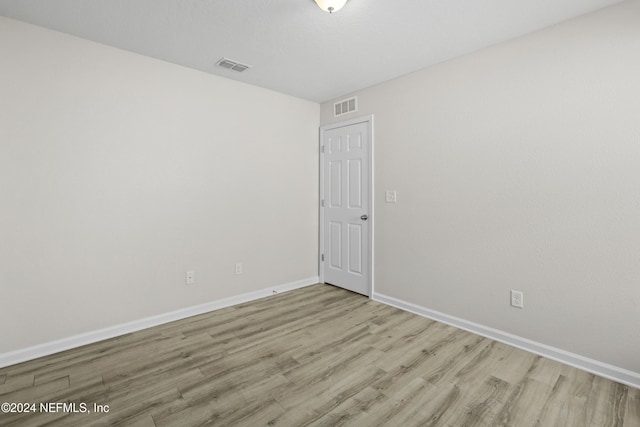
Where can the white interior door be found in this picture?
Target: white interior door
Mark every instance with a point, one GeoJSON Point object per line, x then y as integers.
{"type": "Point", "coordinates": [346, 206]}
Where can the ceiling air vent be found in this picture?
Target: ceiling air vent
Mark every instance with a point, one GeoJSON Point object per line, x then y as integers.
{"type": "Point", "coordinates": [232, 65]}
{"type": "Point", "coordinates": [345, 106]}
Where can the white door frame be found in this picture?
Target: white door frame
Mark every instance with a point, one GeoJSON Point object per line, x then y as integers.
{"type": "Point", "coordinates": [323, 129]}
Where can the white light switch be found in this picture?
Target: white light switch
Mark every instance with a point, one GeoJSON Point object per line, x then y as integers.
{"type": "Point", "coordinates": [390, 196]}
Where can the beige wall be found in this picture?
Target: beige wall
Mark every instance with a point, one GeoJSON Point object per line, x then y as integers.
{"type": "Point", "coordinates": [119, 172]}
{"type": "Point", "coordinates": [518, 167]}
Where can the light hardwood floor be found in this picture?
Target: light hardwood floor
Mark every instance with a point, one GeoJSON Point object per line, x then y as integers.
{"type": "Point", "coordinates": [318, 356]}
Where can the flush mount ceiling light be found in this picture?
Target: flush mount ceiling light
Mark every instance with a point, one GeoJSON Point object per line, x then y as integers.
{"type": "Point", "coordinates": [330, 5]}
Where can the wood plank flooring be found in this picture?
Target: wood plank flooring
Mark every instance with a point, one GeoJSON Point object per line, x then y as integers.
{"type": "Point", "coordinates": [318, 356]}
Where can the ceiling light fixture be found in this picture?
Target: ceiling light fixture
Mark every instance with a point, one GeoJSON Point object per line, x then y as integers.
{"type": "Point", "coordinates": [330, 5]}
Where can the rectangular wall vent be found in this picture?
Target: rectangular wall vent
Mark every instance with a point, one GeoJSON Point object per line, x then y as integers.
{"type": "Point", "coordinates": [232, 65]}
{"type": "Point", "coordinates": [345, 106]}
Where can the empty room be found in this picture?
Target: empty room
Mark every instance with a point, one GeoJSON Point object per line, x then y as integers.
{"type": "Point", "coordinates": [320, 212]}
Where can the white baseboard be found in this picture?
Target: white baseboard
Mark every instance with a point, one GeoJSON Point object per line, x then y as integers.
{"type": "Point", "coordinates": [596, 367]}
{"type": "Point", "coordinates": [30, 353]}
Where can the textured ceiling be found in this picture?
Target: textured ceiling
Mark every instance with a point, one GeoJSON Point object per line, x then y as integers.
{"type": "Point", "coordinates": [292, 45]}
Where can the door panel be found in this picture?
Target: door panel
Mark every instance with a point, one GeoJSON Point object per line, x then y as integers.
{"type": "Point", "coordinates": [355, 248]}
{"type": "Point", "coordinates": [335, 251]}
{"type": "Point", "coordinates": [346, 186]}
{"type": "Point", "coordinates": [336, 184]}
{"type": "Point", "coordinates": [355, 183]}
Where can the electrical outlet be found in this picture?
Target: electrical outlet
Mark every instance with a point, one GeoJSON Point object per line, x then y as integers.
{"type": "Point", "coordinates": [517, 299]}
{"type": "Point", "coordinates": [238, 268]}
{"type": "Point", "coordinates": [190, 277]}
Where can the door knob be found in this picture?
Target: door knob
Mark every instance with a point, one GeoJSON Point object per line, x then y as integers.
{"type": "Point", "coordinates": [364, 217]}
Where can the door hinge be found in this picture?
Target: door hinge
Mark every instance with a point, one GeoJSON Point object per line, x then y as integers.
{"type": "Point", "coordinates": [322, 148]}
{"type": "Point", "coordinates": [322, 203]}
{"type": "Point", "coordinates": [322, 257]}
